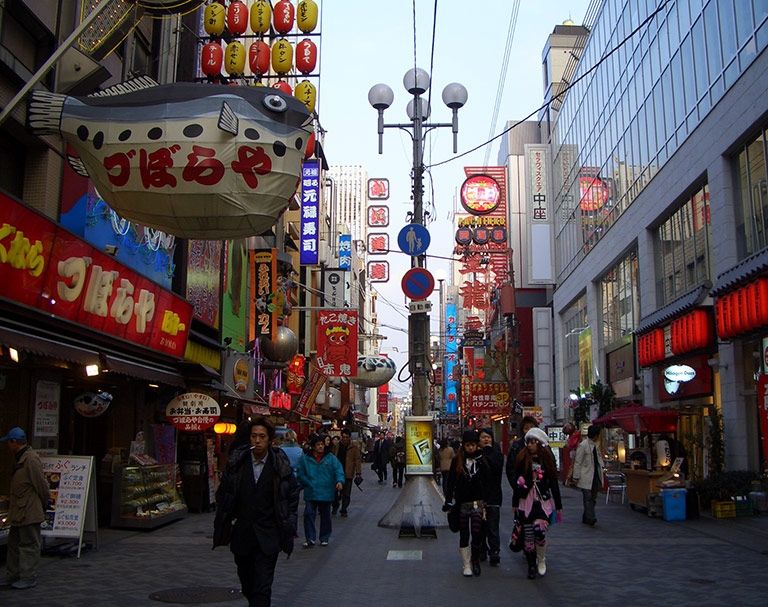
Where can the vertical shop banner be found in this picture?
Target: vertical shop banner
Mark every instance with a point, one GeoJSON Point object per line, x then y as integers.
{"type": "Point", "coordinates": [337, 342]}
{"type": "Point", "coordinates": [310, 207]}
{"type": "Point", "coordinates": [234, 311]}
{"type": "Point", "coordinates": [204, 280]}
{"type": "Point", "coordinates": [762, 405]}
{"type": "Point", "coordinates": [585, 360]}
{"type": "Point", "coordinates": [345, 251]}
{"type": "Point", "coordinates": [451, 350]}
{"type": "Point", "coordinates": [419, 445]}
{"type": "Point", "coordinates": [309, 394]}
{"type": "Point", "coordinates": [382, 399]}
{"type": "Point", "coordinates": [47, 402]}
{"type": "Point", "coordinates": [264, 281]}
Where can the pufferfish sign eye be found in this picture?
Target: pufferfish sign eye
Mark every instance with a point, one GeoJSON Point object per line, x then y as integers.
{"type": "Point", "coordinates": [275, 103]}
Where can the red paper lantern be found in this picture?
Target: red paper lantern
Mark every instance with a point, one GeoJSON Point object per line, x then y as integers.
{"type": "Point", "coordinates": [720, 318]}
{"type": "Point", "coordinates": [282, 85]}
{"type": "Point", "coordinates": [259, 54]}
{"type": "Point", "coordinates": [282, 16]}
{"type": "Point", "coordinates": [211, 59]}
{"type": "Point", "coordinates": [760, 301]}
{"type": "Point", "coordinates": [237, 17]}
{"type": "Point", "coordinates": [306, 56]}
{"type": "Point", "coordinates": [310, 151]}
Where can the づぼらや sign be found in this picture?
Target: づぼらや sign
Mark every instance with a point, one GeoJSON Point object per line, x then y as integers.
{"type": "Point", "coordinates": [192, 412]}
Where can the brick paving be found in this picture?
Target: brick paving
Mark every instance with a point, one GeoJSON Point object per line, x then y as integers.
{"type": "Point", "coordinates": [627, 559]}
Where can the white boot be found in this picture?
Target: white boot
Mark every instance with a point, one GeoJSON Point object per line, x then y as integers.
{"type": "Point", "coordinates": [466, 559]}
{"type": "Point", "coordinates": [541, 560]}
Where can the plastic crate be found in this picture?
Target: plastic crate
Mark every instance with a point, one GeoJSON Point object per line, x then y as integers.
{"type": "Point", "coordinates": [674, 504]}
{"type": "Point", "coordinates": [743, 506]}
{"type": "Point", "coordinates": [723, 509]}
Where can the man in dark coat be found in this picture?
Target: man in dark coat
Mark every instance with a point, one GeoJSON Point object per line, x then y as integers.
{"type": "Point", "coordinates": [381, 456]}
{"type": "Point", "coordinates": [495, 458]}
{"type": "Point", "coordinates": [517, 446]}
{"type": "Point", "coordinates": [256, 508]}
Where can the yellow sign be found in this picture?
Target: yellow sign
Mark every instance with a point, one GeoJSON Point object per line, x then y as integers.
{"type": "Point", "coordinates": [418, 445]}
{"type": "Point", "coordinates": [585, 360]}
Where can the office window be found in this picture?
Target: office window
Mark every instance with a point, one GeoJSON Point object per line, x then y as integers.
{"type": "Point", "coordinates": [620, 300]}
{"type": "Point", "coordinates": [752, 197]}
{"type": "Point", "coordinates": [574, 322]}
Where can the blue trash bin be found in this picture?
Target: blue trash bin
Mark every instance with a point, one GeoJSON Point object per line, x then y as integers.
{"type": "Point", "coordinates": [673, 501]}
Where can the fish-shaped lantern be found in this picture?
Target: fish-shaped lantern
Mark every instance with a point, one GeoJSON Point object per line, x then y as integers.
{"type": "Point", "coordinates": [373, 371]}
{"type": "Point", "coordinates": [202, 161]}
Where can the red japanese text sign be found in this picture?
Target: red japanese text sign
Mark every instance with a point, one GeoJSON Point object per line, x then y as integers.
{"type": "Point", "coordinates": [264, 288]}
{"type": "Point", "coordinates": [192, 412]}
{"type": "Point", "coordinates": [337, 342]}
{"type": "Point", "coordinates": [489, 398]}
{"type": "Point", "coordinates": [45, 267]}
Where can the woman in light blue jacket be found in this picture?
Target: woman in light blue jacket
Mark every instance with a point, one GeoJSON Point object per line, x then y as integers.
{"type": "Point", "coordinates": [321, 475]}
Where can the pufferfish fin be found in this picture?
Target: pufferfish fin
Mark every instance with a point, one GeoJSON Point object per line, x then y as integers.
{"type": "Point", "coordinates": [228, 120]}
{"type": "Point", "coordinates": [77, 165]}
{"type": "Point", "coordinates": [129, 86]}
{"type": "Point", "coordinates": [44, 112]}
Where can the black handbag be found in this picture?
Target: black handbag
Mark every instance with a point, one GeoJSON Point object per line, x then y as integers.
{"type": "Point", "coordinates": [453, 519]}
{"type": "Point", "coordinates": [518, 539]}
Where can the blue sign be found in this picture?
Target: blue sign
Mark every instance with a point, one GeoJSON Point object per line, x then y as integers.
{"type": "Point", "coordinates": [418, 283]}
{"type": "Point", "coordinates": [451, 359]}
{"type": "Point", "coordinates": [310, 205]}
{"type": "Point", "coordinates": [345, 251]}
{"type": "Point", "coordinates": [414, 239]}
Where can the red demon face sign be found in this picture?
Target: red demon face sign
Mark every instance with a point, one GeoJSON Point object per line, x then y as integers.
{"type": "Point", "coordinates": [337, 342]}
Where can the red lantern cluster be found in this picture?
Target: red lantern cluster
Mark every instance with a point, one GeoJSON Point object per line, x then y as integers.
{"type": "Point", "coordinates": [743, 310]}
{"type": "Point", "coordinates": [692, 331]}
{"type": "Point", "coordinates": [650, 348]}
{"type": "Point", "coordinates": [279, 400]}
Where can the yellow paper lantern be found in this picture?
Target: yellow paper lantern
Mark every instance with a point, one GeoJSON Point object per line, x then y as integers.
{"type": "Point", "coordinates": [234, 58]}
{"type": "Point", "coordinates": [213, 21]}
{"type": "Point", "coordinates": [261, 15]}
{"type": "Point", "coordinates": [225, 428]}
{"type": "Point", "coordinates": [306, 15]}
{"type": "Point", "coordinates": [282, 56]}
{"type": "Point", "coordinates": [306, 92]}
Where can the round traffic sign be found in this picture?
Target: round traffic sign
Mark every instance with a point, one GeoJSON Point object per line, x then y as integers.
{"type": "Point", "coordinates": [414, 239]}
{"type": "Point", "coordinates": [418, 283]}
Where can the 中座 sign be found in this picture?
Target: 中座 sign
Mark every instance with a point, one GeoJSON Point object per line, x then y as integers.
{"type": "Point", "coordinates": [337, 342]}
{"type": "Point", "coordinates": [45, 267]}
{"type": "Point", "coordinates": [192, 412]}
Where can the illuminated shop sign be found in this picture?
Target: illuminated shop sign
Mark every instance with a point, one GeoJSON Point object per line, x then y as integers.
{"type": "Point", "coordinates": [480, 194]}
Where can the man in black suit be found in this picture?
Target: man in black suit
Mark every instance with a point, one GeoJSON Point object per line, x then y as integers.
{"type": "Point", "coordinates": [257, 503]}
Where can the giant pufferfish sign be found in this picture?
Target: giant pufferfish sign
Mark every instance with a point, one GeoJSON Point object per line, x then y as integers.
{"type": "Point", "coordinates": [199, 161]}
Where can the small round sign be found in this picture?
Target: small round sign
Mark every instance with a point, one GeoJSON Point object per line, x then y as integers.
{"type": "Point", "coordinates": [418, 283]}
{"type": "Point", "coordinates": [414, 239]}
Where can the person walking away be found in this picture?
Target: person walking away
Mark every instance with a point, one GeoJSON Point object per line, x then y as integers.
{"type": "Point", "coordinates": [517, 446]}
{"type": "Point", "coordinates": [28, 499]}
{"type": "Point", "coordinates": [588, 473]}
{"type": "Point", "coordinates": [536, 496]}
{"type": "Point", "coordinates": [492, 454]}
{"type": "Point", "coordinates": [397, 460]}
{"type": "Point", "coordinates": [321, 475]}
{"type": "Point", "coordinates": [256, 510]}
{"type": "Point", "coordinates": [348, 454]}
{"type": "Point", "coordinates": [381, 457]}
{"type": "Point", "coordinates": [291, 449]}
{"type": "Point", "coordinates": [467, 479]}
{"type": "Point", "coordinates": [446, 455]}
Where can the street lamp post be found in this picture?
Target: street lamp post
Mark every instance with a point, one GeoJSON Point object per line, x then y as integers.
{"type": "Point", "coordinates": [417, 509]}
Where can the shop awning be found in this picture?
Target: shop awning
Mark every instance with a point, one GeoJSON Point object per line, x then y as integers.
{"type": "Point", "coordinates": [50, 348]}
{"type": "Point", "coordinates": [637, 419]}
{"type": "Point", "coordinates": [150, 373]}
{"type": "Point", "coordinates": [674, 308]}
{"type": "Point", "coordinates": [741, 272]}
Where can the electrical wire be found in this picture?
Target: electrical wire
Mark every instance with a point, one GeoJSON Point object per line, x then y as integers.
{"type": "Point", "coordinates": [561, 93]}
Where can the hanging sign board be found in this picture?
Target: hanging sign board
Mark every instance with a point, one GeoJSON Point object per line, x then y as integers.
{"type": "Point", "coordinates": [47, 400]}
{"type": "Point", "coordinates": [192, 412]}
{"type": "Point", "coordinates": [72, 510]}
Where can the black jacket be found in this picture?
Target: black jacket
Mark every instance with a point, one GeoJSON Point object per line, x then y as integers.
{"type": "Point", "coordinates": [492, 454]}
{"type": "Point", "coordinates": [548, 486]}
{"type": "Point", "coordinates": [463, 488]}
{"type": "Point", "coordinates": [285, 492]}
{"type": "Point", "coordinates": [515, 448]}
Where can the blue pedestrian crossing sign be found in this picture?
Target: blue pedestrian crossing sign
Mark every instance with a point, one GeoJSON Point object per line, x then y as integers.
{"type": "Point", "coordinates": [414, 239]}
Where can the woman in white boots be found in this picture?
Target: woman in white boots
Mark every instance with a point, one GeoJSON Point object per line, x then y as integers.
{"type": "Point", "coordinates": [468, 476]}
{"type": "Point", "coordinates": [536, 497]}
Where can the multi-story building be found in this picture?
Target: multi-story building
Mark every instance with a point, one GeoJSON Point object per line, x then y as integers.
{"type": "Point", "coordinates": [658, 177]}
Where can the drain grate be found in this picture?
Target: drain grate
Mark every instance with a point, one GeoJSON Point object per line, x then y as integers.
{"type": "Point", "coordinates": [196, 594]}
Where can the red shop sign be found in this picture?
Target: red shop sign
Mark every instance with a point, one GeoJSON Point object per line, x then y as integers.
{"type": "Point", "coordinates": [44, 266]}
{"type": "Point", "coordinates": [337, 342]}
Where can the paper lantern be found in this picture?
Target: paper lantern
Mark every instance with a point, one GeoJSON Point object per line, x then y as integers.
{"type": "Point", "coordinates": [282, 56]}
{"type": "Point", "coordinates": [283, 16]}
{"type": "Point", "coordinates": [282, 348]}
{"type": "Point", "coordinates": [234, 62]}
{"type": "Point", "coordinates": [282, 85]}
{"type": "Point", "coordinates": [202, 161]}
{"type": "Point", "coordinates": [213, 19]}
{"type": "Point", "coordinates": [224, 428]}
{"type": "Point", "coordinates": [760, 301]}
{"type": "Point", "coordinates": [306, 56]}
{"type": "Point", "coordinates": [306, 93]}
{"type": "Point", "coordinates": [212, 58]}
{"type": "Point", "coordinates": [306, 16]}
{"type": "Point", "coordinates": [310, 151]}
{"type": "Point", "coordinates": [258, 57]}
{"type": "Point", "coordinates": [373, 371]}
{"type": "Point", "coordinates": [261, 15]}
{"type": "Point", "coordinates": [237, 17]}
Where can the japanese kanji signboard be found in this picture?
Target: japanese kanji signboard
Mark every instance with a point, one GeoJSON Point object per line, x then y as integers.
{"type": "Point", "coordinates": [192, 412]}
{"type": "Point", "coordinates": [378, 243]}
{"type": "Point", "coordinates": [378, 271]}
{"type": "Point", "coordinates": [345, 251]}
{"type": "Point", "coordinates": [337, 342]}
{"type": "Point", "coordinates": [488, 398]}
{"type": "Point", "coordinates": [378, 189]}
{"type": "Point", "coordinates": [310, 205]}
{"type": "Point", "coordinates": [264, 284]}
{"type": "Point", "coordinates": [378, 216]}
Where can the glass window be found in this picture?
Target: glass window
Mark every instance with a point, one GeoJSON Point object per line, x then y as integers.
{"type": "Point", "coordinates": [761, 10]}
{"type": "Point", "coordinates": [727, 29]}
{"type": "Point", "coordinates": [678, 82]}
{"type": "Point", "coordinates": [752, 197]}
{"type": "Point", "coordinates": [744, 24]}
{"type": "Point", "coordinates": [700, 57]}
{"type": "Point", "coordinates": [574, 320]}
{"type": "Point", "coordinates": [620, 300]}
{"type": "Point", "coordinates": [674, 33]}
{"type": "Point", "coordinates": [713, 41]}
{"type": "Point", "coordinates": [689, 73]}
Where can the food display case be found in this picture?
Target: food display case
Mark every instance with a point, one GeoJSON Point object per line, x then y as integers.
{"type": "Point", "coordinates": [145, 497]}
{"type": "Point", "coordinates": [4, 524]}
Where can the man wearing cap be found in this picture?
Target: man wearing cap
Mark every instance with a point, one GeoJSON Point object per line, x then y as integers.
{"type": "Point", "coordinates": [29, 497]}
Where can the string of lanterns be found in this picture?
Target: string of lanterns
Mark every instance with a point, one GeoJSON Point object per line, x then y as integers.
{"type": "Point", "coordinates": [226, 21]}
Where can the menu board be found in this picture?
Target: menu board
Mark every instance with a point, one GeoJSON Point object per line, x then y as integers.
{"type": "Point", "coordinates": [73, 498]}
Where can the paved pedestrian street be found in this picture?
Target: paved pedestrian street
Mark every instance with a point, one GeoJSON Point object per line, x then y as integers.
{"type": "Point", "coordinates": [627, 559]}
